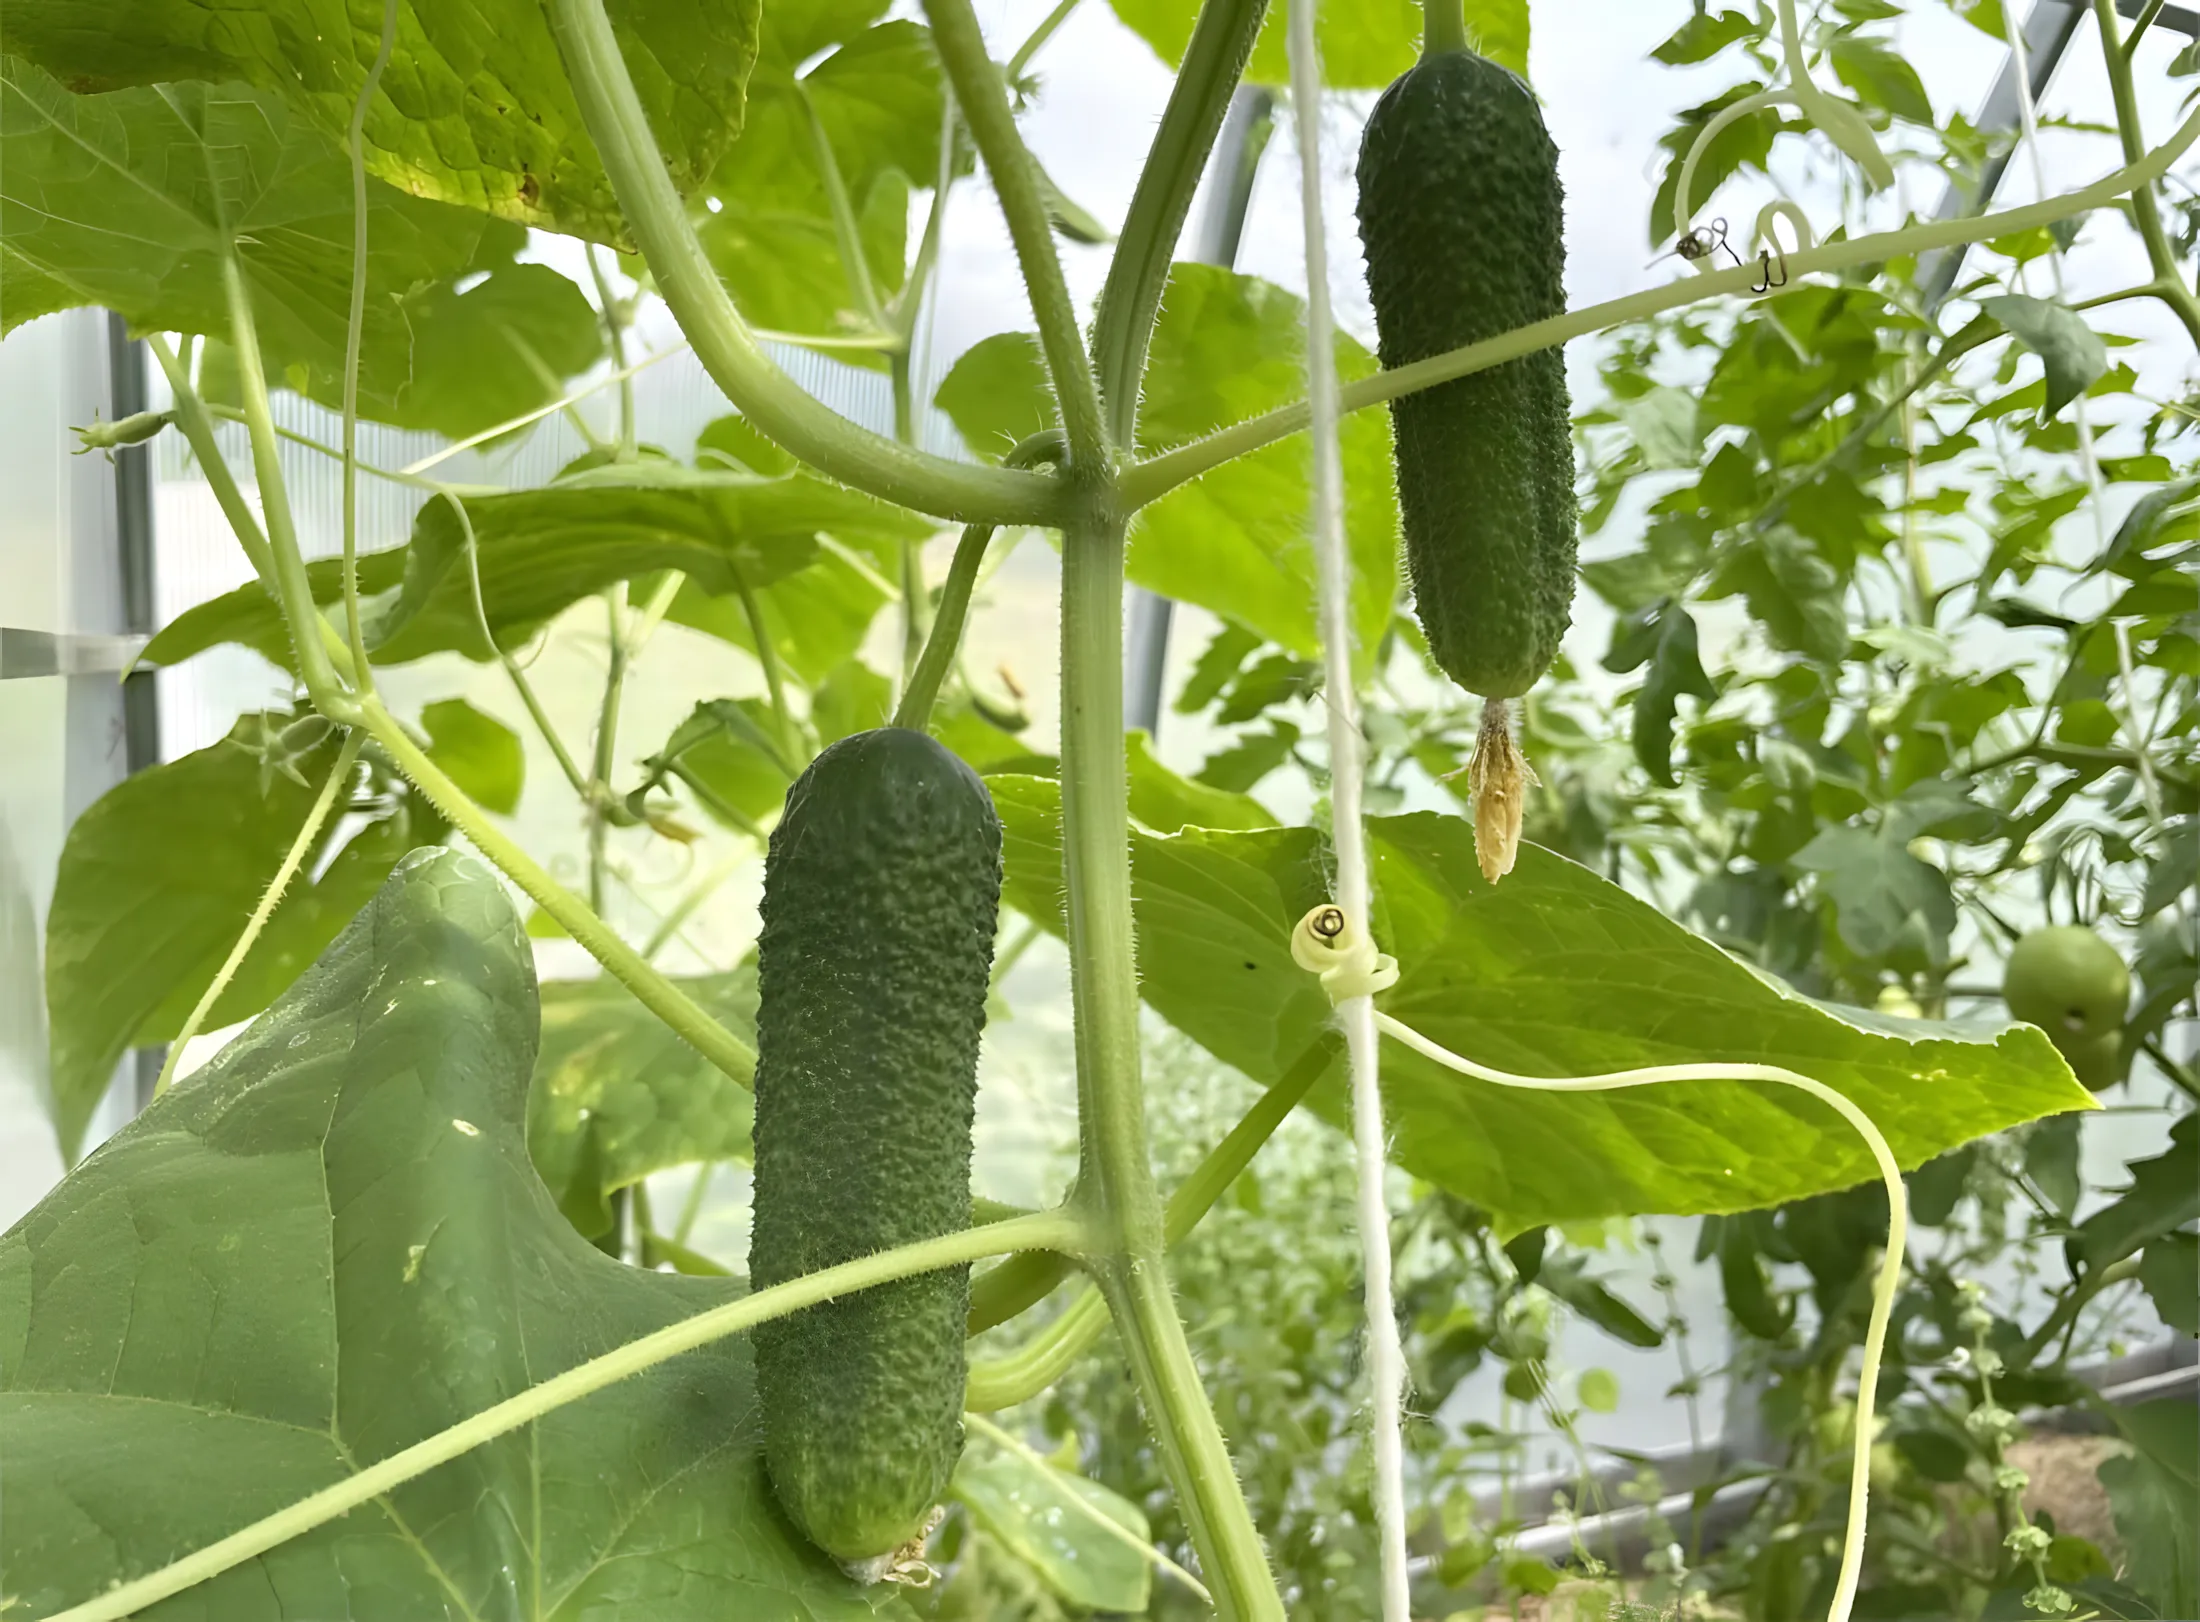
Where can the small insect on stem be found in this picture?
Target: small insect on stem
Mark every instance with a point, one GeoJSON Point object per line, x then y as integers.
{"type": "Point", "coordinates": [1704, 241]}
{"type": "Point", "coordinates": [1767, 277]}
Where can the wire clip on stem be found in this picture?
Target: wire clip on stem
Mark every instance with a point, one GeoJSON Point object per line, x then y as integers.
{"type": "Point", "coordinates": [1331, 943]}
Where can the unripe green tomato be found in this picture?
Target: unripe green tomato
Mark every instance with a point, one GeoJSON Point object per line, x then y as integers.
{"type": "Point", "coordinates": [2096, 1061]}
{"type": "Point", "coordinates": [2072, 985]}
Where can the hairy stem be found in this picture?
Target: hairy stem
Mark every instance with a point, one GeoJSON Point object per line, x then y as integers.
{"type": "Point", "coordinates": [656, 993]}
{"type": "Point", "coordinates": [1214, 61]}
{"type": "Point", "coordinates": [1151, 479]}
{"type": "Point", "coordinates": [309, 831]}
{"type": "Point", "coordinates": [196, 423]}
{"type": "Point", "coordinates": [354, 328]}
{"type": "Point", "coordinates": [607, 739]}
{"type": "Point", "coordinates": [674, 1340]}
{"type": "Point", "coordinates": [938, 653]}
{"type": "Point", "coordinates": [614, 331]}
{"type": "Point", "coordinates": [292, 590]}
{"type": "Point", "coordinates": [1001, 1293]}
{"type": "Point", "coordinates": [778, 406]}
{"type": "Point", "coordinates": [846, 233]}
{"type": "Point", "coordinates": [1443, 26]}
{"type": "Point", "coordinates": [1035, 41]}
{"type": "Point", "coordinates": [518, 677]}
{"type": "Point", "coordinates": [983, 98]}
{"type": "Point", "coordinates": [944, 640]}
{"type": "Point", "coordinates": [1114, 1171]}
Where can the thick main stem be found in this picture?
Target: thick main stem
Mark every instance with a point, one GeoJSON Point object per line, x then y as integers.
{"type": "Point", "coordinates": [1115, 1173]}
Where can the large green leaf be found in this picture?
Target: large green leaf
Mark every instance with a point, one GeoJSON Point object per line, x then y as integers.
{"type": "Point", "coordinates": [1554, 972]}
{"type": "Point", "coordinates": [330, 1244]}
{"type": "Point", "coordinates": [132, 200]}
{"type": "Point", "coordinates": [1363, 46]}
{"type": "Point", "coordinates": [156, 881]}
{"type": "Point", "coordinates": [875, 91]}
{"type": "Point", "coordinates": [544, 549]}
{"type": "Point", "coordinates": [618, 1096]}
{"type": "Point", "coordinates": [474, 108]}
{"type": "Point", "coordinates": [1229, 347]}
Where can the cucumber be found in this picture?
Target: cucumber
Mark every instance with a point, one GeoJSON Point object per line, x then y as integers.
{"type": "Point", "coordinates": [1461, 221]}
{"type": "Point", "coordinates": [881, 890]}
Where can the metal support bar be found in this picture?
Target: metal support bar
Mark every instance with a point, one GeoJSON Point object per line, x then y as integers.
{"type": "Point", "coordinates": [2048, 31]}
{"type": "Point", "coordinates": [1238, 150]}
{"type": "Point", "coordinates": [127, 396]}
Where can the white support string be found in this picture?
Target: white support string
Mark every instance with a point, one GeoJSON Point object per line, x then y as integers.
{"type": "Point", "coordinates": [1335, 945]}
{"type": "Point", "coordinates": [1355, 1014]}
{"type": "Point", "coordinates": [2096, 492]}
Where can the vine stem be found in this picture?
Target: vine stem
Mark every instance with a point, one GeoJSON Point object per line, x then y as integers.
{"type": "Point", "coordinates": [1151, 479]}
{"type": "Point", "coordinates": [2146, 211]}
{"type": "Point", "coordinates": [1123, 318]}
{"type": "Point", "coordinates": [1443, 27]}
{"type": "Point", "coordinates": [652, 989]}
{"type": "Point", "coordinates": [292, 590]}
{"type": "Point", "coordinates": [1684, 188]}
{"type": "Point", "coordinates": [354, 330]}
{"type": "Point", "coordinates": [623, 1362]}
{"type": "Point", "coordinates": [1890, 1267]}
{"type": "Point", "coordinates": [983, 98]}
{"type": "Point", "coordinates": [945, 637]}
{"type": "Point", "coordinates": [1113, 1168]}
{"type": "Point", "coordinates": [726, 345]}
{"type": "Point", "coordinates": [915, 709]}
{"type": "Point", "coordinates": [1347, 834]}
{"type": "Point", "coordinates": [622, 376]}
{"type": "Point", "coordinates": [339, 775]}
{"type": "Point", "coordinates": [847, 234]}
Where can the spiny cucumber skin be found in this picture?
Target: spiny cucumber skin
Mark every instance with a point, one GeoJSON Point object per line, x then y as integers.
{"type": "Point", "coordinates": [881, 891]}
{"type": "Point", "coordinates": [1462, 223]}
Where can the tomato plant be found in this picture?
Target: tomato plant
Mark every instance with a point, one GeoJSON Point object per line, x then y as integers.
{"type": "Point", "coordinates": [371, 1315]}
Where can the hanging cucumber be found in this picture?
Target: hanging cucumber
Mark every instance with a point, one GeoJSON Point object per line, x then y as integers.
{"type": "Point", "coordinates": [880, 896]}
{"type": "Point", "coordinates": [1461, 221]}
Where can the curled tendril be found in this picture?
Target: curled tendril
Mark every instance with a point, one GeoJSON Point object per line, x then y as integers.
{"type": "Point", "coordinates": [1331, 943]}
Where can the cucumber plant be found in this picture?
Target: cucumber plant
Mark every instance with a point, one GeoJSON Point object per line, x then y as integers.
{"type": "Point", "coordinates": [748, 173]}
